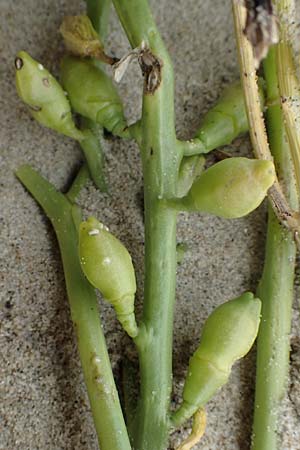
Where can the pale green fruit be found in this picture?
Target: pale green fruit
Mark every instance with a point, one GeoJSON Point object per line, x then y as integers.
{"type": "Point", "coordinates": [228, 335]}
{"type": "Point", "coordinates": [231, 188]}
{"type": "Point", "coordinates": [107, 265]}
{"type": "Point", "coordinates": [92, 93]}
{"type": "Point", "coordinates": [44, 96]}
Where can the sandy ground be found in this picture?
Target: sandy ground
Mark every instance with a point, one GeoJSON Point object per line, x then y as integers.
{"type": "Point", "coordinates": [43, 401]}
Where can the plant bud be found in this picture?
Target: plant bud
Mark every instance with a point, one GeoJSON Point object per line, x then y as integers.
{"type": "Point", "coordinates": [107, 265]}
{"type": "Point", "coordinates": [228, 335]}
{"type": "Point", "coordinates": [81, 39]}
{"type": "Point", "coordinates": [231, 188]}
{"type": "Point", "coordinates": [44, 96]}
{"type": "Point", "coordinates": [92, 93]}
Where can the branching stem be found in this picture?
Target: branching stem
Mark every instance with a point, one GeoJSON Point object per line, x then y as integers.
{"type": "Point", "coordinates": [161, 160]}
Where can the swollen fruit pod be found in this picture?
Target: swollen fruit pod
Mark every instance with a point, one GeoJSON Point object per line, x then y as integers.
{"type": "Point", "coordinates": [228, 335]}
{"type": "Point", "coordinates": [226, 120]}
{"type": "Point", "coordinates": [107, 265]}
{"type": "Point", "coordinates": [231, 188]}
{"type": "Point", "coordinates": [92, 93]}
{"type": "Point", "coordinates": [44, 96]}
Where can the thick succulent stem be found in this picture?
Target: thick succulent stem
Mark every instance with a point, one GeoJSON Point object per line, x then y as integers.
{"type": "Point", "coordinates": [161, 159]}
{"type": "Point", "coordinates": [99, 12]}
{"type": "Point", "coordinates": [155, 340]}
{"type": "Point", "coordinates": [103, 395]}
{"type": "Point", "coordinates": [276, 286]}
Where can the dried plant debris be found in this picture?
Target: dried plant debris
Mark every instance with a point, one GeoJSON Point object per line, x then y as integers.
{"type": "Point", "coordinates": [151, 69]}
{"type": "Point", "coordinates": [261, 27]}
{"type": "Point", "coordinates": [81, 39]}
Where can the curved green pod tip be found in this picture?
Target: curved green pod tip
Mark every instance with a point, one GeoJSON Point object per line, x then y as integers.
{"type": "Point", "coordinates": [92, 93]}
{"type": "Point", "coordinates": [226, 120]}
{"type": "Point", "coordinates": [44, 96]}
{"type": "Point", "coordinates": [228, 335]}
{"type": "Point", "coordinates": [231, 188]}
{"type": "Point", "coordinates": [107, 265]}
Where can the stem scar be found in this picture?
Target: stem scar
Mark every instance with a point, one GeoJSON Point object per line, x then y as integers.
{"type": "Point", "coordinates": [46, 82]}
{"type": "Point", "coordinates": [151, 69]}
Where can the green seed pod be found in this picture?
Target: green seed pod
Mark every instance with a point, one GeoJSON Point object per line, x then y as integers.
{"type": "Point", "coordinates": [231, 188]}
{"type": "Point", "coordinates": [228, 335]}
{"type": "Point", "coordinates": [226, 120]}
{"type": "Point", "coordinates": [108, 266]}
{"type": "Point", "coordinates": [44, 96]}
{"type": "Point", "coordinates": [92, 93]}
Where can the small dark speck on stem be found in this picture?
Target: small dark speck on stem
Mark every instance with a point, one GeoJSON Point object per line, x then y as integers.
{"type": "Point", "coordinates": [46, 82]}
{"type": "Point", "coordinates": [35, 108]}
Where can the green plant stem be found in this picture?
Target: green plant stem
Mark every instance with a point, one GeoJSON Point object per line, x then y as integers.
{"type": "Point", "coordinates": [276, 292]}
{"type": "Point", "coordinates": [103, 395]}
{"type": "Point", "coordinates": [135, 133]}
{"type": "Point", "coordinates": [160, 155]}
{"type": "Point", "coordinates": [155, 342]}
{"type": "Point", "coordinates": [93, 152]}
{"type": "Point", "coordinates": [183, 414]}
{"type": "Point", "coordinates": [161, 160]}
{"type": "Point", "coordinates": [99, 12]}
{"type": "Point", "coordinates": [276, 286]}
{"type": "Point", "coordinates": [79, 182]}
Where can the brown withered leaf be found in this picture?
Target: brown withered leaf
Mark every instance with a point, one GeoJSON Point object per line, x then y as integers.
{"type": "Point", "coordinates": [81, 39]}
{"type": "Point", "coordinates": [261, 27]}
